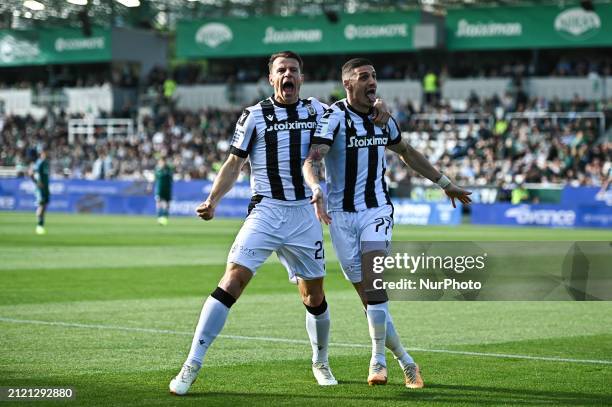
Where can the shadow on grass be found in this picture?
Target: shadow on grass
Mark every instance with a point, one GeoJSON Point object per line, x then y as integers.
{"type": "Point", "coordinates": [499, 395]}
{"type": "Point", "coordinates": [433, 394]}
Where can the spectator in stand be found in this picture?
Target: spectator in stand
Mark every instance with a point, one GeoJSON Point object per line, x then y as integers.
{"type": "Point", "coordinates": [520, 194]}
{"type": "Point", "coordinates": [103, 166]}
{"type": "Point", "coordinates": [431, 88]}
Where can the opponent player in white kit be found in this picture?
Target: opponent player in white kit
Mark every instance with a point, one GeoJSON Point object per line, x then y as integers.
{"type": "Point", "coordinates": [358, 201]}
{"type": "Point", "coordinates": [275, 134]}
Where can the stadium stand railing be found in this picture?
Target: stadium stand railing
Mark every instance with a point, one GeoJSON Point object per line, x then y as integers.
{"type": "Point", "coordinates": [107, 128]}
{"type": "Point", "coordinates": [456, 118]}
{"type": "Point", "coordinates": [8, 172]}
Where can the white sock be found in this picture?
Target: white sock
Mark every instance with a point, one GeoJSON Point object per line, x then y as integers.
{"type": "Point", "coordinates": [393, 343]}
{"type": "Point", "coordinates": [377, 324]}
{"type": "Point", "coordinates": [212, 319]}
{"type": "Point", "coordinates": [317, 327]}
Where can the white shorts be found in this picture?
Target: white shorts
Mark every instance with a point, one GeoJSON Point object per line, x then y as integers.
{"type": "Point", "coordinates": [291, 229]}
{"type": "Point", "coordinates": [354, 233]}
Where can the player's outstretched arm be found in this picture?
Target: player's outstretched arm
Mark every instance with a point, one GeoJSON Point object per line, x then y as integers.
{"type": "Point", "coordinates": [419, 163]}
{"type": "Point", "coordinates": [224, 181]}
{"type": "Point", "coordinates": [312, 174]}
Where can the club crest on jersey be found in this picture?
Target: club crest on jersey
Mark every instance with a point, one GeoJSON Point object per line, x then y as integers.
{"type": "Point", "coordinates": [311, 110]}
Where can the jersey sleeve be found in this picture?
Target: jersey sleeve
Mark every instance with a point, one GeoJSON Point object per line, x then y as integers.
{"type": "Point", "coordinates": [244, 134]}
{"type": "Point", "coordinates": [395, 134]}
{"type": "Point", "coordinates": [328, 126]}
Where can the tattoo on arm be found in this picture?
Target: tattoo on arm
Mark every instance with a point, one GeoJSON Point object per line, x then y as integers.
{"type": "Point", "coordinates": [317, 152]}
{"type": "Point", "coordinates": [314, 161]}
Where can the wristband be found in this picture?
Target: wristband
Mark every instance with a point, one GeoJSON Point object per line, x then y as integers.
{"type": "Point", "coordinates": [443, 182]}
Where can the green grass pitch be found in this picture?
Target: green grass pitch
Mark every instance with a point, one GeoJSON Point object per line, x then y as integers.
{"type": "Point", "coordinates": [108, 304]}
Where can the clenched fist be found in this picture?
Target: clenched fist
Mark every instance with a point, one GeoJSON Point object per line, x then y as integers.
{"type": "Point", "coordinates": [206, 210]}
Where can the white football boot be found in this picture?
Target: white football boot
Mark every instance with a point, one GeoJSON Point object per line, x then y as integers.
{"type": "Point", "coordinates": [181, 383]}
{"type": "Point", "coordinates": [323, 374]}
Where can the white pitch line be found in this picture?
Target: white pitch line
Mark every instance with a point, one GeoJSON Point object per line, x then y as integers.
{"type": "Point", "coordinates": [512, 356]}
{"type": "Point", "coordinates": [298, 341]}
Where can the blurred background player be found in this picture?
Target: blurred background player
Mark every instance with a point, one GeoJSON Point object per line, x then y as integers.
{"type": "Point", "coordinates": [358, 198]}
{"type": "Point", "coordinates": [163, 190]}
{"type": "Point", "coordinates": [40, 175]}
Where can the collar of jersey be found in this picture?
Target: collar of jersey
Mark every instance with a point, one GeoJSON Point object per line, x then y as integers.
{"type": "Point", "coordinates": [279, 104]}
{"type": "Point", "coordinates": [352, 109]}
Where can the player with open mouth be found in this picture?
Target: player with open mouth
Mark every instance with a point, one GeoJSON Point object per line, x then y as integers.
{"type": "Point", "coordinates": [353, 147]}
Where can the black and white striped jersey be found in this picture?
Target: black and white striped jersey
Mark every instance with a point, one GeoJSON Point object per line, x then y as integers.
{"type": "Point", "coordinates": [355, 164]}
{"type": "Point", "coordinates": [276, 138]}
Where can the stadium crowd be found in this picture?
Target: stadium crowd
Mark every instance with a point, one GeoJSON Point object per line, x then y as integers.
{"type": "Point", "coordinates": [484, 150]}
{"type": "Point", "coordinates": [390, 66]}
{"type": "Point", "coordinates": [194, 142]}
{"type": "Point", "coordinates": [489, 149]}
{"type": "Point", "coordinates": [319, 68]}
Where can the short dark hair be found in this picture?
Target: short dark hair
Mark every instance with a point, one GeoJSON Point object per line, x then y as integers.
{"type": "Point", "coordinates": [285, 54]}
{"type": "Point", "coordinates": [354, 63]}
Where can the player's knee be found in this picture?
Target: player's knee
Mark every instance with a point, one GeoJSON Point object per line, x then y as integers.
{"type": "Point", "coordinates": [313, 297]}
{"type": "Point", "coordinates": [318, 309]}
{"type": "Point", "coordinates": [235, 279]}
{"type": "Point", "coordinates": [313, 300]}
{"type": "Point", "coordinates": [312, 292]}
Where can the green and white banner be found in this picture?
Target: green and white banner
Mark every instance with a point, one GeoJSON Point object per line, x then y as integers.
{"type": "Point", "coordinates": [467, 29]}
{"type": "Point", "coordinates": [315, 35]}
{"type": "Point", "coordinates": [53, 46]}
{"type": "Point", "coordinates": [529, 27]}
